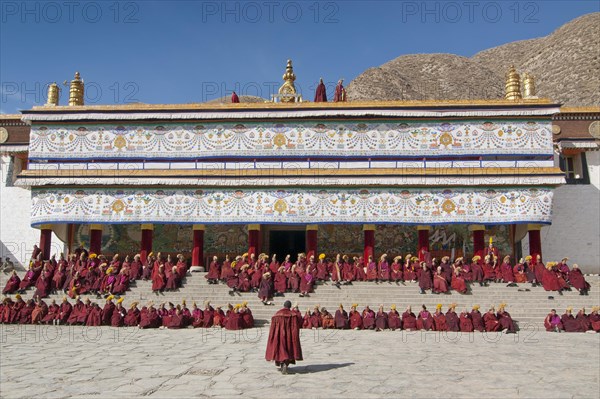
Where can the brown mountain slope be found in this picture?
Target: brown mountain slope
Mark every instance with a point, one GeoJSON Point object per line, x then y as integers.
{"type": "Point", "coordinates": [566, 65]}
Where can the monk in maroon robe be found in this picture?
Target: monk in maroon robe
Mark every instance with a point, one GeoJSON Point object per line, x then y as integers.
{"type": "Point", "coordinates": [322, 273]}
{"type": "Point", "coordinates": [519, 272]}
{"type": "Point", "coordinates": [246, 315]}
{"type": "Point", "coordinates": [552, 322]}
{"type": "Point", "coordinates": [52, 313]}
{"type": "Point", "coordinates": [235, 98]}
{"type": "Point", "coordinates": [425, 278]}
{"type": "Point", "coordinates": [355, 318]}
{"type": "Point", "coordinates": [477, 319]}
{"type": "Point", "coordinates": [477, 274]}
{"type": "Point", "coordinates": [439, 319]}
{"type": "Point", "coordinates": [209, 315]}
{"type": "Point", "coordinates": [149, 317]}
{"type": "Point", "coordinates": [12, 284]}
{"type": "Point", "coordinates": [550, 279]}
{"type": "Point", "coordinates": [466, 323]}
{"type": "Point", "coordinates": [538, 268]}
{"type": "Point", "coordinates": [265, 289]}
{"type": "Point", "coordinates": [381, 319]}
{"type": "Point", "coordinates": [424, 319]}
{"type": "Point", "coordinates": [409, 320]}
{"type": "Point", "coordinates": [491, 321]}
{"type": "Point", "coordinates": [577, 280]}
{"type": "Point", "coordinates": [327, 320]}
{"type": "Point", "coordinates": [452, 319]}
{"type": "Point", "coordinates": [107, 311]}
{"type": "Point", "coordinates": [39, 311]}
{"type": "Point", "coordinates": [368, 318]}
{"type": "Point", "coordinates": [132, 318]}
{"type": "Point", "coordinates": [94, 318]}
{"type": "Point", "coordinates": [340, 92]}
{"type": "Point", "coordinates": [321, 92]}
{"type": "Point", "coordinates": [341, 318]}
{"type": "Point", "coordinates": [394, 320]}
{"type": "Point", "coordinates": [280, 281]}
{"type": "Point", "coordinates": [396, 269]}
{"type": "Point", "coordinates": [569, 322]}
{"type": "Point", "coordinates": [371, 269]}
{"type": "Point", "coordinates": [78, 313]}
{"type": "Point", "coordinates": [283, 343]}
{"type": "Point", "coordinates": [384, 268]}
{"type": "Point", "coordinates": [583, 320]}
{"type": "Point", "coordinates": [594, 319]}
{"type": "Point", "coordinates": [409, 268]}
{"type": "Point", "coordinates": [159, 281]}
{"type": "Point", "coordinates": [458, 282]}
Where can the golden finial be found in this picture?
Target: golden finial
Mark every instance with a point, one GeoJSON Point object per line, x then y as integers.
{"type": "Point", "coordinates": [529, 85]}
{"type": "Point", "coordinates": [76, 91]}
{"type": "Point", "coordinates": [53, 92]}
{"type": "Point", "coordinates": [513, 85]}
{"type": "Point", "coordinates": [287, 91]}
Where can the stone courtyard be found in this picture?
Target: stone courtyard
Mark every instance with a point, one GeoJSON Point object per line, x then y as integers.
{"type": "Point", "coordinates": [60, 362]}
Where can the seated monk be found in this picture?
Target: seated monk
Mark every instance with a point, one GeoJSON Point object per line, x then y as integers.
{"type": "Point", "coordinates": [584, 320]}
{"type": "Point", "coordinates": [519, 272]}
{"type": "Point", "coordinates": [306, 324]}
{"type": "Point", "coordinates": [594, 319]}
{"type": "Point", "coordinates": [491, 321]}
{"type": "Point", "coordinates": [439, 319]}
{"type": "Point", "coordinates": [12, 284]}
{"type": "Point", "coordinates": [24, 315]}
{"type": "Point", "coordinates": [118, 314]}
{"type": "Point", "coordinates": [149, 317]}
{"type": "Point", "coordinates": [452, 320]}
{"type": "Point", "coordinates": [550, 280]}
{"type": "Point", "coordinates": [355, 318]}
{"type": "Point", "coordinates": [466, 323]}
{"type": "Point", "coordinates": [368, 318]}
{"type": "Point", "coordinates": [477, 270]}
{"type": "Point", "coordinates": [315, 317]}
{"type": "Point", "coordinates": [327, 320]}
{"type": "Point", "coordinates": [341, 318]}
{"type": "Point", "coordinates": [132, 318]}
{"type": "Point", "coordinates": [409, 320]}
{"type": "Point", "coordinates": [577, 280]}
{"type": "Point", "coordinates": [569, 323]}
{"type": "Point", "coordinates": [39, 311]}
{"type": "Point", "coordinates": [234, 318]}
{"type": "Point", "coordinates": [507, 324]}
{"type": "Point", "coordinates": [477, 319]}
{"type": "Point", "coordinates": [53, 313]}
{"type": "Point", "coordinates": [247, 317]}
{"type": "Point", "coordinates": [209, 315]}
{"type": "Point", "coordinates": [94, 318]}
{"type": "Point", "coordinates": [176, 321]}
{"type": "Point", "coordinates": [394, 320]}
{"type": "Point", "coordinates": [218, 317]}
{"type": "Point", "coordinates": [197, 316]}
{"type": "Point", "coordinates": [381, 319]}
{"type": "Point", "coordinates": [552, 322]}
{"type": "Point", "coordinates": [440, 285]}
{"type": "Point", "coordinates": [78, 314]}
{"type": "Point", "coordinates": [458, 282]}
{"type": "Point", "coordinates": [425, 319]}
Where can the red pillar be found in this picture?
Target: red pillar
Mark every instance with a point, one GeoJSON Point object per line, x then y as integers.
{"type": "Point", "coordinates": [95, 238]}
{"type": "Point", "coordinates": [535, 240]}
{"type": "Point", "coordinates": [423, 232]}
{"type": "Point", "coordinates": [478, 239]}
{"type": "Point", "coordinates": [45, 240]}
{"type": "Point", "coordinates": [198, 249]}
{"type": "Point", "coordinates": [311, 240]}
{"type": "Point", "coordinates": [253, 239]}
{"type": "Point", "coordinates": [146, 244]}
{"type": "Point", "coordinates": [369, 231]}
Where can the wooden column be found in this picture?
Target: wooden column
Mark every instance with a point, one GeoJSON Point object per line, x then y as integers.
{"type": "Point", "coordinates": [535, 240]}
{"type": "Point", "coordinates": [198, 249]}
{"type": "Point", "coordinates": [478, 231]}
{"type": "Point", "coordinates": [95, 238]}
{"type": "Point", "coordinates": [253, 239]}
{"type": "Point", "coordinates": [312, 231]}
{"type": "Point", "coordinates": [45, 240]}
{"type": "Point", "coordinates": [369, 249]}
{"type": "Point", "coordinates": [146, 244]}
{"type": "Point", "coordinates": [423, 240]}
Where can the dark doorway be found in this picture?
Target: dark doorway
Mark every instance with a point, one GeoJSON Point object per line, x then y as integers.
{"type": "Point", "coordinates": [283, 242]}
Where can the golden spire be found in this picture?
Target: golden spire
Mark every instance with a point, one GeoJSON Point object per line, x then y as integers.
{"type": "Point", "coordinates": [513, 85]}
{"type": "Point", "coordinates": [287, 91]}
{"type": "Point", "coordinates": [529, 85]}
{"type": "Point", "coordinates": [52, 95]}
{"type": "Point", "coordinates": [76, 91]}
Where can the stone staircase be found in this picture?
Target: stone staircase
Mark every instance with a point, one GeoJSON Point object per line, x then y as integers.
{"type": "Point", "coordinates": [529, 308]}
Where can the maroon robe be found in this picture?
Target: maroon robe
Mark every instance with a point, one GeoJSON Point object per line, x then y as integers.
{"type": "Point", "coordinates": [149, 318]}
{"type": "Point", "coordinates": [439, 321]}
{"type": "Point", "coordinates": [452, 321]}
{"type": "Point", "coordinates": [491, 322]}
{"type": "Point", "coordinates": [356, 320]}
{"type": "Point", "coordinates": [107, 313]}
{"type": "Point", "coordinates": [118, 316]}
{"type": "Point", "coordinates": [12, 285]}
{"type": "Point", "coordinates": [321, 93]}
{"type": "Point", "coordinates": [394, 321]}
{"type": "Point", "coordinates": [439, 283]}
{"type": "Point", "coordinates": [409, 321]}
{"type": "Point", "coordinates": [52, 314]}
{"type": "Point", "coordinates": [94, 318]}
{"type": "Point", "coordinates": [283, 344]}
{"type": "Point", "coordinates": [550, 280]}
{"type": "Point", "coordinates": [341, 319]}
{"type": "Point", "coordinates": [577, 280]}
{"type": "Point", "coordinates": [477, 320]}
{"type": "Point", "coordinates": [368, 318]}
{"type": "Point", "coordinates": [570, 324]}
{"type": "Point", "coordinates": [507, 273]}
{"type": "Point", "coordinates": [425, 320]}
{"type": "Point", "coordinates": [466, 323]}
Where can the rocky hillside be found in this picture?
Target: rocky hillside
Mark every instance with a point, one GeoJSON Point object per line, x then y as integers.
{"type": "Point", "coordinates": [566, 65]}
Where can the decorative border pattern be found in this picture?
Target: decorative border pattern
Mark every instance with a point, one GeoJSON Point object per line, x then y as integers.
{"type": "Point", "coordinates": [295, 138]}
{"type": "Point", "coordinates": [302, 206]}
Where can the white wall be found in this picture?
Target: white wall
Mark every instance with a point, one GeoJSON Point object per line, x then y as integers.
{"type": "Point", "coordinates": [17, 237]}
{"type": "Point", "coordinates": [575, 229]}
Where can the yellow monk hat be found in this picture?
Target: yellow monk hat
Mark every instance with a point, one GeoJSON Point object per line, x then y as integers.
{"type": "Point", "coordinates": [133, 305]}
{"type": "Point", "coordinates": [355, 305]}
{"type": "Point", "coordinates": [18, 296]}
{"type": "Point", "coordinates": [245, 254]}
{"type": "Point", "coordinates": [183, 302]}
{"type": "Point", "coordinates": [528, 258]}
{"type": "Point", "coordinates": [475, 307]}
{"type": "Point", "coordinates": [110, 298]}
{"type": "Point", "coordinates": [595, 308]}
{"type": "Point", "coordinates": [393, 307]}
{"type": "Point", "coordinates": [438, 306]}
{"type": "Point", "coordinates": [245, 303]}
{"type": "Point", "coordinates": [491, 240]}
{"type": "Point", "coordinates": [120, 300]}
{"type": "Point", "coordinates": [93, 256]}
{"type": "Point", "coordinates": [570, 308]}
{"type": "Point", "coordinates": [322, 256]}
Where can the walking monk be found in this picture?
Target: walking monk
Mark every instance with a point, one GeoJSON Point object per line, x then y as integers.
{"type": "Point", "coordinates": [283, 345]}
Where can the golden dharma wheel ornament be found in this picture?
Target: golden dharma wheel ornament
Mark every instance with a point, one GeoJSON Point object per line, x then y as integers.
{"type": "Point", "coordinates": [3, 135]}
{"type": "Point", "coordinates": [555, 129]}
{"type": "Point", "coordinates": [594, 129]}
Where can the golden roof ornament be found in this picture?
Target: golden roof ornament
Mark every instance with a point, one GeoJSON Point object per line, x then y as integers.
{"type": "Point", "coordinates": [513, 85]}
{"type": "Point", "coordinates": [53, 94]}
{"type": "Point", "coordinates": [287, 91]}
{"type": "Point", "coordinates": [76, 91]}
{"type": "Point", "coordinates": [529, 86]}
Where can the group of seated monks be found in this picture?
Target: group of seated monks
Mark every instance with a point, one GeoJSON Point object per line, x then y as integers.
{"type": "Point", "coordinates": [270, 277]}
{"type": "Point", "coordinates": [94, 274]}
{"type": "Point", "coordinates": [368, 319]}
{"type": "Point", "coordinates": [567, 322]}
{"type": "Point", "coordinates": [88, 313]}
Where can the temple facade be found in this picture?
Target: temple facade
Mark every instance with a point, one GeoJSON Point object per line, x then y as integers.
{"type": "Point", "coordinates": [282, 177]}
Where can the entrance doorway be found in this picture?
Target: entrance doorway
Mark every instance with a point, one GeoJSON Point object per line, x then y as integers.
{"type": "Point", "coordinates": [283, 242]}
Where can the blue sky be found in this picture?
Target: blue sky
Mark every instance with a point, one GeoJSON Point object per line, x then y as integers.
{"type": "Point", "coordinates": [192, 51]}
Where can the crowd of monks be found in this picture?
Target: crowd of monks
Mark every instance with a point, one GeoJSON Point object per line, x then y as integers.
{"type": "Point", "coordinates": [88, 313]}
{"type": "Point", "coordinates": [368, 319]}
{"type": "Point", "coordinates": [582, 322]}
{"type": "Point", "coordinates": [269, 277]}
{"type": "Point", "coordinates": [84, 273]}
